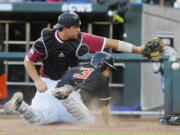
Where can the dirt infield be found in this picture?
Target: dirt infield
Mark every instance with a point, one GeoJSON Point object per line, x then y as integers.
{"type": "Point", "coordinates": [13, 125]}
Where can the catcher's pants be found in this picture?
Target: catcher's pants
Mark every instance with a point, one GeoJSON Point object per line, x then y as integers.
{"type": "Point", "coordinates": [47, 109]}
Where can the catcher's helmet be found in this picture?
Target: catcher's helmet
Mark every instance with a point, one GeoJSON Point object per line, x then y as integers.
{"type": "Point", "coordinates": [67, 19]}
{"type": "Point", "coordinates": [101, 60]}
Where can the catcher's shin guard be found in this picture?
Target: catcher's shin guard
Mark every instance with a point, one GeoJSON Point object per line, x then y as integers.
{"type": "Point", "coordinates": [14, 103]}
{"type": "Point", "coordinates": [62, 92]}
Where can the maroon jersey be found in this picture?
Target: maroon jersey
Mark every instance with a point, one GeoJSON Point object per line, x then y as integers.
{"type": "Point", "coordinates": [95, 44]}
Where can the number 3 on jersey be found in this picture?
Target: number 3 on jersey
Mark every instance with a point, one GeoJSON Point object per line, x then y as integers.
{"type": "Point", "coordinates": [85, 73]}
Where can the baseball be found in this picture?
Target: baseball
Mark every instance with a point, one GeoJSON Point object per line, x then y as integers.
{"type": "Point", "coordinates": [175, 66]}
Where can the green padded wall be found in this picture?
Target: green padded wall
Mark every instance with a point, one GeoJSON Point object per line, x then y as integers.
{"type": "Point", "coordinates": [172, 90]}
{"type": "Point", "coordinates": [132, 80]}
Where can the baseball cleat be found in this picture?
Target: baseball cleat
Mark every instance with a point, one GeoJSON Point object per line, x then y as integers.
{"type": "Point", "coordinates": [62, 92]}
{"type": "Point", "coordinates": [14, 103]}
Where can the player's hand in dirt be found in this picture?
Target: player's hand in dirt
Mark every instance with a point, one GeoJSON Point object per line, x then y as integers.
{"type": "Point", "coordinates": [41, 86]}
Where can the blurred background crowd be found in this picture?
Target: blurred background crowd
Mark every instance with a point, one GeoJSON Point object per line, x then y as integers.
{"type": "Point", "coordinates": [174, 3]}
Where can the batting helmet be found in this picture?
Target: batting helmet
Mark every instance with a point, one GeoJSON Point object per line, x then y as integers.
{"type": "Point", "coordinates": [67, 19]}
{"type": "Point", "coordinates": [101, 60]}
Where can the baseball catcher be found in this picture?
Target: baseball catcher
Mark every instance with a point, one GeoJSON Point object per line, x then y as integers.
{"type": "Point", "coordinates": [154, 50]}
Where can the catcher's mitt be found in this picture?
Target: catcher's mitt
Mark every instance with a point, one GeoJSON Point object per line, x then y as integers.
{"type": "Point", "coordinates": [154, 49]}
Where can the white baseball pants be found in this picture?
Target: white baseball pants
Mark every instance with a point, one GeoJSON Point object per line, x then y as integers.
{"type": "Point", "coordinates": [46, 109]}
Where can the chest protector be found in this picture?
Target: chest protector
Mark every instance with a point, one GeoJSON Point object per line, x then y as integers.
{"type": "Point", "coordinates": [60, 56]}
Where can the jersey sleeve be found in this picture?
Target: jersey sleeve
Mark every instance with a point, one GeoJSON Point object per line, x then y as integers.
{"type": "Point", "coordinates": [95, 43]}
{"type": "Point", "coordinates": [36, 52]}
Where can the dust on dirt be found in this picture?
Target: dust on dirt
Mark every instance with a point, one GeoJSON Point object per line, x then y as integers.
{"type": "Point", "coordinates": [14, 125]}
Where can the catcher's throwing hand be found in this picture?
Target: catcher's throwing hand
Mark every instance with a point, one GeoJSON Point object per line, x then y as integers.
{"type": "Point", "coordinates": [154, 49]}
